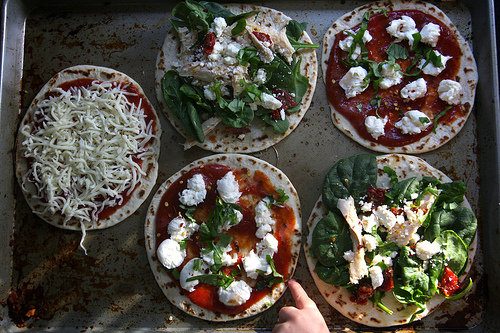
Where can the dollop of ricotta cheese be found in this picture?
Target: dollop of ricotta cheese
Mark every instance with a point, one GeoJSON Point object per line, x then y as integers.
{"type": "Point", "coordinates": [179, 228]}
{"type": "Point", "coordinates": [375, 126]}
{"type": "Point", "coordinates": [228, 188]}
{"type": "Point", "coordinates": [195, 192]}
{"type": "Point", "coordinates": [403, 29]}
{"type": "Point", "coordinates": [413, 122]}
{"type": "Point", "coordinates": [235, 294]}
{"type": "Point", "coordinates": [430, 34]}
{"type": "Point", "coordinates": [430, 69]}
{"type": "Point", "coordinates": [390, 76]}
{"type": "Point", "coordinates": [353, 81]}
{"type": "Point", "coordinates": [188, 271]}
{"type": "Point", "coordinates": [170, 254]}
{"type": "Point", "coordinates": [449, 91]}
{"type": "Point", "coordinates": [414, 90]}
{"type": "Point", "coordinates": [263, 218]}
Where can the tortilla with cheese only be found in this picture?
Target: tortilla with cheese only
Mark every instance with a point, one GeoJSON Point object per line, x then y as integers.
{"type": "Point", "coordinates": [369, 314]}
{"type": "Point", "coordinates": [67, 149]}
{"type": "Point", "coordinates": [466, 76]}
{"type": "Point", "coordinates": [249, 166]}
{"type": "Point", "coordinates": [256, 136]}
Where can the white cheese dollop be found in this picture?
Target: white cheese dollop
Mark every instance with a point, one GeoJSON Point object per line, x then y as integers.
{"type": "Point", "coordinates": [170, 254]}
{"type": "Point", "coordinates": [263, 218]}
{"type": "Point", "coordinates": [430, 34]}
{"type": "Point", "coordinates": [195, 192]}
{"type": "Point", "coordinates": [353, 81]}
{"type": "Point", "coordinates": [413, 122]}
{"type": "Point", "coordinates": [449, 91]}
{"type": "Point", "coordinates": [345, 44]}
{"type": "Point", "coordinates": [414, 90]}
{"type": "Point", "coordinates": [226, 258]}
{"type": "Point", "coordinates": [228, 188]}
{"type": "Point", "coordinates": [426, 250]}
{"type": "Point", "coordinates": [430, 69]}
{"type": "Point", "coordinates": [235, 294]}
{"type": "Point", "coordinates": [179, 228]}
{"type": "Point", "coordinates": [403, 29]}
{"type": "Point", "coordinates": [188, 271]}
{"type": "Point", "coordinates": [390, 76]}
{"type": "Point", "coordinates": [375, 126]}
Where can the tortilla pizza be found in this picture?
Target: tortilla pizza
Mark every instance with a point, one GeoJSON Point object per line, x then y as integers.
{"type": "Point", "coordinates": [87, 148]}
{"type": "Point", "coordinates": [400, 77]}
{"type": "Point", "coordinates": [223, 236]}
{"type": "Point", "coordinates": [390, 239]}
{"type": "Point", "coordinates": [235, 78]}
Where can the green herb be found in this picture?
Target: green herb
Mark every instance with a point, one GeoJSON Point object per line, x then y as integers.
{"type": "Point", "coordinates": [397, 51]}
{"type": "Point", "coordinates": [218, 280]}
{"type": "Point", "coordinates": [269, 279]}
{"type": "Point", "coordinates": [463, 293]}
{"type": "Point", "coordinates": [359, 107]}
{"type": "Point", "coordinates": [282, 198]}
{"type": "Point", "coordinates": [424, 120]}
{"type": "Point", "coordinates": [392, 174]}
{"type": "Point", "coordinates": [294, 31]}
{"type": "Point", "coordinates": [376, 102]}
{"type": "Point", "coordinates": [436, 118]}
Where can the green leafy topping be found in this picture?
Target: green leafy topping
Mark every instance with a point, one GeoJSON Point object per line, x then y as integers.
{"type": "Point", "coordinates": [436, 118]}
{"type": "Point", "coordinates": [294, 31]}
{"type": "Point", "coordinates": [269, 279]}
{"type": "Point", "coordinates": [218, 279]}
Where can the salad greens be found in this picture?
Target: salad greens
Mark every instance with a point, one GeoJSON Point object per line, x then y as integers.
{"type": "Point", "coordinates": [187, 100]}
{"type": "Point", "coordinates": [414, 280]}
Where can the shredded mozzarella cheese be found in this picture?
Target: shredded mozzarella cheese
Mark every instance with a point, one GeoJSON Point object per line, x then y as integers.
{"type": "Point", "coordinates": [82, 150]}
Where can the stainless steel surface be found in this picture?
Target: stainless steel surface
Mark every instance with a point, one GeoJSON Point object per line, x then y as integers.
{"type": "Point", "coordinates": [112, 288]}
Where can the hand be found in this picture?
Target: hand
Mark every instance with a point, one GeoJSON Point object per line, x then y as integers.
{"type": "Point", "coordinates": [303, 317]}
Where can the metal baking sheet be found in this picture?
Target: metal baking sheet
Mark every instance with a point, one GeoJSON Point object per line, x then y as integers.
{"type": "Point", "coordinates": [112, 288]}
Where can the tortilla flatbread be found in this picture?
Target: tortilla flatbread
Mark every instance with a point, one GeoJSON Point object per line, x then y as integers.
{"type": "Point", "coordinates": [288, 231]}
{"type": "Point", "coordinates": [66, 156]}
{"type": "Point", "coordinates": [391, 104]}
{"type": "Point", "coordinates": [340, 298]}
{"type": "Point", "coordinates": [256, 136]}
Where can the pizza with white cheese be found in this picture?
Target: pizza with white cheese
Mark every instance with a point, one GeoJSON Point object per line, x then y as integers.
{"type": "Point", "coordinates": [235, 78]}
{"type": "Point", "coordinates": [223, 236]}
{"type": "Point", "coordinates": [390, 239]}
{"type": "Point", "coordinates": [399, 76]}
{"type": "Point", "coordinates": [88, 148]}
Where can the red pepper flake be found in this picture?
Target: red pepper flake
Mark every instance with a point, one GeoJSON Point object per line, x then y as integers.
{"type": "Point", "coordinates": [208, 43]}
{"type": "Point", "coordinates": [264, 38]}
{"type": "Point", "coordinates": [449, 283]}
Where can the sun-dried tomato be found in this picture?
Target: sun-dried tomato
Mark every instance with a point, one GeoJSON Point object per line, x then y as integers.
{"type": "Point", "coordinates": [208, 43]}
{"type": "Point", "coordinates": [376, 196]}
{"type": "Point", "coordinates": [449, 284]}
{"type": "Point", "coordinates": [363, 293]}
{"type": "Point", "coordinates": [263, 37]}
{"type": "Point", "coordinates": [388, 283]}
{"type": "Point", "coordinates": [286, 100]}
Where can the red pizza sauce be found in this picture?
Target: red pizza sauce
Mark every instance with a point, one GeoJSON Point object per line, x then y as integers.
{"type": "Point", "coordinates": [357, 108]}
{"type": "Point", "coordinates": [254, 187]}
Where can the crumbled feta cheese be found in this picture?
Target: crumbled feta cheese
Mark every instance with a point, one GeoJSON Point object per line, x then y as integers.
{"type": "Point", "coordinates": [370, 242]}
{"type": "Point", "coordinates": [195, 192]}
{"type": "Point", "coordinates": [353, 81]}
{"type": "Point", "coordinates": [376, 276]}
{"type": "Point", "coordinates": [209, 93]}
{"type": "Point", "coordinates": [375, 126]}
{"type": "Point", "coordinates": [402, 29]}
{"type": "Point", "coordinates": [369, 223]}
{"type": "Point", "coordinates": [188, 271]}
{"type": "Point", "coordinates": [413, 122]}
{"type": "Point", "coordinates": [263, 218]}
{"type": "Point", "coordinates": [386, 218]}
{"type": "Point", "coordinates": [235, 294]}
{"type": "Point", "coordinates": [414, 89]}
{"type": "Point", "coordinates": [170, 254]}
{"type": "Point", "coordinates": [232, 49]}
{"type": "Point", "coordinates": [449, 91]}
{"type": "Point", "coordinates": [390, 76]}
{"type": "Point", "coordinates": [349, 256]}
{"type": "Point", "coordinates": [260, 76]}
{"type": "Point", "coordinates": [430, 34]}
{"type": "Point", "coordinates": [270, 102]}
{"type": "Point", "coordinates": [426, 250]}
{"type": "Point", "coordinates": [386, 260]}
{"type": "Point", "coordinates": [366, 206]}
{"type": "Point", "coordinates": [228, 188]}
{"type": "Point", "coordinates": [179, 228]}
{"type": "Point", "coordinates": [218, 26]}
{"type": "Point", "coordinates": [430, 69]}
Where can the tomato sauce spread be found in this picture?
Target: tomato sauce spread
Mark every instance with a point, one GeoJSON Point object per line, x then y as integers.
{"type": "Point", "coordinates": [392, 105]}
{"type": "Point", "coordinates": [253, 187]}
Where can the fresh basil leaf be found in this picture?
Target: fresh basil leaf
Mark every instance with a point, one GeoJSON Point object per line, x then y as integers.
{"type": "Point", "coordinates": [397, 51]}
{"type": "Point", "coordinates": [217, 280]}
{"type": "Point", "coordinates": [331, 239]}
{"type": "Point", "coordinates": [269, 279]}
{"type": "Point", "coordinates": [436, 118]}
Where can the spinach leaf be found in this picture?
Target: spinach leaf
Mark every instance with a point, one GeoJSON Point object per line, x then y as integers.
{"type": "Point", "coordinates": [461, 220]}
{"type": "Point", "coordinates": [436, 267]}
{"type": "Point", "coordinates": [403, 190]}
{"type": "Point", "coordinates": [454, 250]}
{"type": "Point", "coordinates": [377, 300]}
{"type": "Point", "coordinates": [411, 273]}
{"type": "Point", "coordinates": [335, 276]}
{"type": "Point", "coordinates": [174, 89]}
{"type": "Point", "coordinates": [294, 31]}
{"type": "Point", "coordinates": [217, 10]}
{"type": "Point", "coordinates": [351, 176]}
{"type": "Point", "coordinates": [451, 193]}
{"type": "Point", "coordinates": [331, 238]}
{"type": "Point", "coordinates": [279, 126]}
{"type": "Point", "coordinates": [192, 15]}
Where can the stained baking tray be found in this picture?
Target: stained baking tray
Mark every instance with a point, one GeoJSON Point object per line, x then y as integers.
{"type": "Point", "coordinates": [112, 288]}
